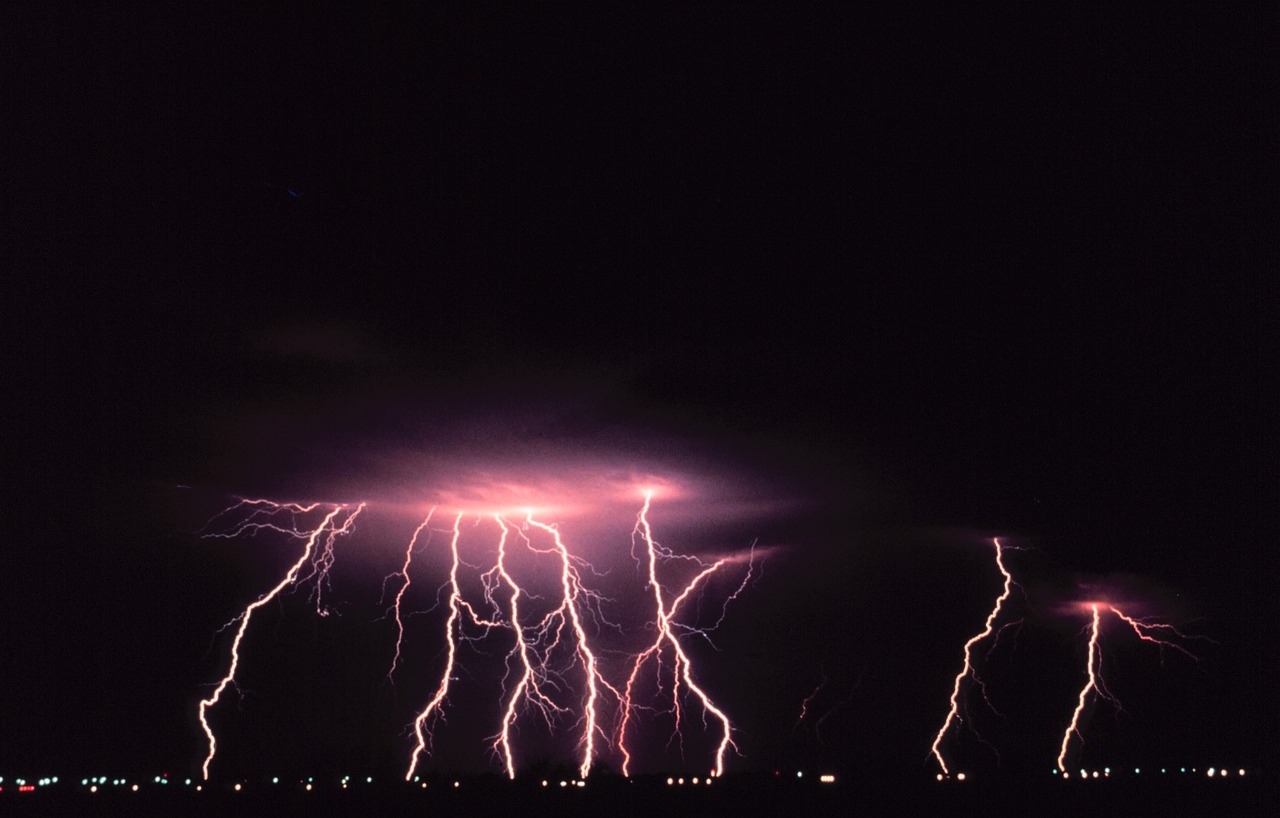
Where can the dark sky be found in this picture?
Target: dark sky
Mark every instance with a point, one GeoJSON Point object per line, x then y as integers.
{"type": "Point", "coordinates": [924, 277]}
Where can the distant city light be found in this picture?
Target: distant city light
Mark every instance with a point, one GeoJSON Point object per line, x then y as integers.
{"type": "Point", "coordinates": [93, 783]}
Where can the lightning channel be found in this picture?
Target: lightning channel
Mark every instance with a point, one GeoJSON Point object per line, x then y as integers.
{"type": "Point", "coordinates": [665, 635]}
{"type": "Point", "coordinates": [953, 715]}
{"type": "Point", "coordinates": [569, 608]}
{"type": "Point", "coordinates": [263, 516]}
{"type": "Point", "coordinates": [404, 586]}
{"type": "Point", "coordinates": [421, 729]}
{"type": "Point", "coordinates": [1144, 629]}
{"type": "Point", "coordinates": [532, 674]}
{"type": "Point", "coordinates": [1092, 683]}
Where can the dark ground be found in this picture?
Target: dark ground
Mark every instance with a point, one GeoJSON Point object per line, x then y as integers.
{"type": "Point", "coordinates": [730, 796]}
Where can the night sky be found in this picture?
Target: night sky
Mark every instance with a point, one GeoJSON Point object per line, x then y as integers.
{"type": "Point", "coordinates": [876, 286]}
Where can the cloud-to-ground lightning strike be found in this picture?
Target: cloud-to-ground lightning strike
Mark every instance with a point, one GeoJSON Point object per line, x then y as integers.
{"type": "Point", "coordinates": [404, 586]}
{"type": "Point", "coordinates": [570, 608]}
{"type": "Point", "coordinates": [532, 676]}
{"type": "Point", "coordinates": [953, 715]}
{"type": "Point", "coordinates": [1094, 682]}
{"type": "Point", "coordinates": [533, 647]}
{"type": "Point", "coordinates": [665, 634]}
{"type": "Point", "coordinates": [1093, 667]}
{"type": "Point", "coordinates": [452, 630]}
{"type": "Point", "coordinates": [552, 667]}
{"type": "Point", "coordinates": [263, 515]}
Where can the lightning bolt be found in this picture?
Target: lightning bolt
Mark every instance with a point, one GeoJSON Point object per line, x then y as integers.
{"type": "Point", "coordinates": [532, 673]}
{"type": "Point", "coordinates": [1093, 667]}
{"type": "Point", "coordinates": [1144, 630]}
{"type": "Point", "coordinates": [456, 604]}
{"type": "Point", "coordinates": [571, 587]}
{"type": "Point", "coordinates": [666, 634]}
{"type": "Point", "coordinates": [953, 715]}
{"type": "Point", "coordinates": [552, 667]}
{"type": "Point", "coordinates": [808, 700]}
{"type": "Point", "coordinates": [1093, 683]}
{"type": "Point", "coordinates": [547, 635]}
{"type": "Point", "coordinates": [404, 572]}
{"type": "Point", "coordinates": [264, 515]}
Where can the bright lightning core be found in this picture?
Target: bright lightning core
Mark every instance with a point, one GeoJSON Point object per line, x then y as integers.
{"type": "Point", "coordinates": [1095, 685]}
{"type": "Point", "coordinates": [281, 518]}
{"type": "Point", "coordinates": [968, 671]}
{"type": "Point", "coordinates": [529, 595]}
